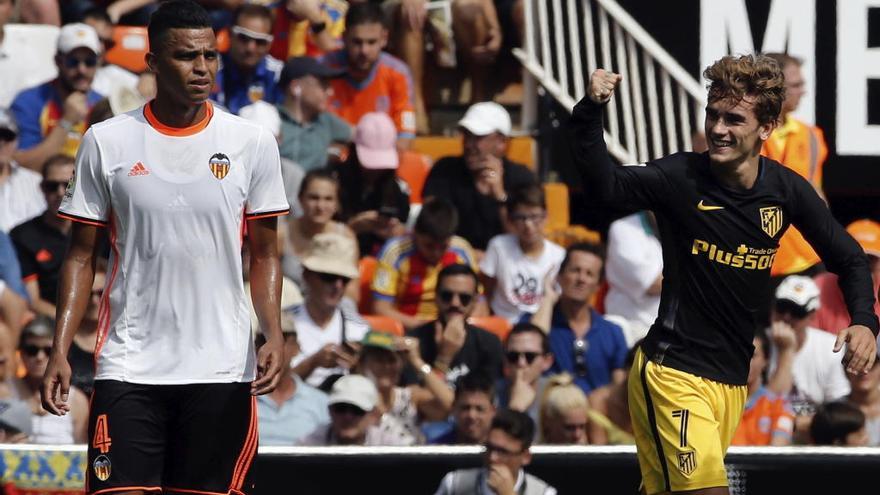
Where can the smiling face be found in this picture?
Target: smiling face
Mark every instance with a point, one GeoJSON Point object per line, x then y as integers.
{"type": "Point", "coordinates": [733, 132]}
{"type": "Point", "coordinates": [186, 65]}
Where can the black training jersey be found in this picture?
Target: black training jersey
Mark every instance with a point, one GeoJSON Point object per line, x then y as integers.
{"type": "Point", "coordinates": [718, 247]}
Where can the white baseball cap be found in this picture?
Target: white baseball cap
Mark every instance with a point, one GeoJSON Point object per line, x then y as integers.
{"type": "Point", "coordinates": [356, 390]}
{"type": "Point", "coordinates": [800, 290]}
{"type": "Point", "coordinates": [484, 118]}
{"type": "Point", "coordinates": [78, 35]}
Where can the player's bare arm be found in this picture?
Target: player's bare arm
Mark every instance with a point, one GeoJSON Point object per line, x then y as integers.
{"type": "Point", "coordinates": [265, 277]}
{"type": "Point", "coordinates": [74, 291]}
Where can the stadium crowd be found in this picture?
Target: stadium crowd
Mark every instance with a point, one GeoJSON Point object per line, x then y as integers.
{"type": "Point", "coordinates": [417, 308]}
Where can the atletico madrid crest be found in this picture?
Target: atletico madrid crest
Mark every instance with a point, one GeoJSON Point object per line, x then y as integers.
{"type": "Point", "coordinates": [219, 165]}
{"type": "Point", "coordinates": [771, 220]}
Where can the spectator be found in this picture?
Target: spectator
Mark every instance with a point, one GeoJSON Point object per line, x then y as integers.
{"type": "Point", "coordinates": [527, 358]}
{"type": "Point", "coordinates": [839, 423]}
{"type": "Point", "coordinates": [294, 409]}
{"type": "Point", "coordinates": [382, 361]}
{"type": "Point", "coordinates": [319, 197]}
{"type": "Point", "coordinates": [307, 27]}
{"type": "Point", "coordinates": [308, 130]}
{"type": "Point", "coordinates": [52, 116]}
{"type": "Point", "coordinates": [634, 269]}
{"type": "Point", "coordinates": [328, 336]}
{"type": "Point", "coordinates": [354, 416]}
{"type": "Point", "coordinates": [507, 452]}
{"type": "Point", "coordinates": [25, 54]}
{"type": "Point", "coordinates": [472, 411]}
{"type": "Point", "coordinates": [12, 311]}
{"type": "Point", "coordinates": [376, 81]}
{"type": "Point", "coordinates": [10, 270]}
{"type": "Point", "coordinates": [35, 347]}
{"type": "Point", "coordinates": [800, 147]}
{"type": "Point", "coordinates": [610, 422]}
{"type": "Point", "coordinates": [516, 265]}
{"type": "Point", "coordinates": [8, 361]}
{"type": "Point", "coordinates": [406, 276]}
{"type": "Point", "coordinates": [15, 421]}
{"type": "Point", "coordinates": [375, 202]}
{"type": "Point", "coordinates": [247, 73]}
{"type": "Point", "coordinates": [478, 181]}
{"type": "Point", "coordinates": [20, 197]}
{"type": "Point", "coordinates": [865, 393]}
{"type": "Point", "coordinates": [455, 347]}
{"type": "Point", "coordinates": [832, 314]}
{"type": "Point", "coordinates": [109, 79]}
{"type": "Point", "coordinates": [81, 355]}
{"type": "Point", "coordinates": [768, 418]}
{"type": "Point", "coordinates": [584, 344]}
{"type": "Point", "coordinates": [42, 241]}
{"type": "Point", "coordinates": [564, 412]}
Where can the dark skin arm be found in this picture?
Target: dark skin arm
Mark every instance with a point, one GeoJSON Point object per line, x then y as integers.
{"type": "Point", "coordinates": [265, 277]}
{"type": "Point", "coordinates": [74, 291]}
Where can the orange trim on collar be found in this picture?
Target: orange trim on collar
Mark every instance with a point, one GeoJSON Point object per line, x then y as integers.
{"type": "Point", "coordinates": [178, 131]}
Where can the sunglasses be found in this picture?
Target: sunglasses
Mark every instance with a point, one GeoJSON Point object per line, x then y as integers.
{"type": "Point", "coordinates": [53, 185]}
{"type": "Point", "coordinates": [332, 278]}
{"type": "Point", "coordinates": [514, 357]}
{"type": "Point", "coordinates": [790, 308]}
{"type": "Point", "coordinates": [246, 35]}
{"type": "Point", "coordinates": [74, 62]}
{"type": "Point", "coordinates": [579, 348]}
{"type": "Point", "coordinates": [33, 350]}
{"type": "Point", "coordinates": [351, 409]}
{"type": "Point", "coordinates": [447, 295]}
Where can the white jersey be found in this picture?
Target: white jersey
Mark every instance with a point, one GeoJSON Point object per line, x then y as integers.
{"type": "Point", "coordinates": [519, 278]}
{"type": "Point", "coordinates": [175, 201]}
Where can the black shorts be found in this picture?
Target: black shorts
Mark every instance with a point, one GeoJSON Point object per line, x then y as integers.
{"type": "Point", "coordinates": [198, 438]}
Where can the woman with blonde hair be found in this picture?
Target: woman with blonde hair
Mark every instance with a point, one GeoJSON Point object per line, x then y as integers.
{"type": "Point", "coordinates": [564, 411]}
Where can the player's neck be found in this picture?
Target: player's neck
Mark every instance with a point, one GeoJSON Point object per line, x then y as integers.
{"type": "Point", "coordinates": [175, 114]}
{"type": "Point", "coordinates": [741, 175]}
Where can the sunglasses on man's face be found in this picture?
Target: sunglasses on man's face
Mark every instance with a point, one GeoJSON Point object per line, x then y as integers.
{"type": "Point", "coordinates": [72, 62]}
{"type": "Point", "coordinates": [332, 278]}
{"type": "Point", "coordinates": [514, 357]}
{"type": "Point", "coordinates": [784, 307]}
{"type": "Point", "coordinates": [53, 185]}
{"type": "Point", "coordinates": [33, 350]}
{"type": "Point", "coordinates": [342, 409]}
{"type": "Point", "coordinates": [448, 295]}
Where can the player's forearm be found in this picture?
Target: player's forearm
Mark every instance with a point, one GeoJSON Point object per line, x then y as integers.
{"type": "Point", "coordinates": [265, 275]}
{"type": "Point", "coordinates": [74, 291]}
{"type": "Point", "coordinates": [587, 141]}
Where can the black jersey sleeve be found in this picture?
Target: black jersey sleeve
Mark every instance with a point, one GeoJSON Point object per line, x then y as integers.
{"type": "Point", "coordinates": [634, 188]}
{"type": "Point", "coordinates": [839, 251]}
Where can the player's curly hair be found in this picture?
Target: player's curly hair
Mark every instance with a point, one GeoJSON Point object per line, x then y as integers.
{"type": "Point", "coordinates": [758, 76]}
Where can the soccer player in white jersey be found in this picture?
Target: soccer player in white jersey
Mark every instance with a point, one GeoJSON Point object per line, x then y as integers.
{"type": "Point", "coordinates": [174, 183]}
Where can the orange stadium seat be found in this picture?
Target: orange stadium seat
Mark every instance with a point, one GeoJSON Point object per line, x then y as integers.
{"type": "Point", "coordinates": [366, 267]}
{"type": "Point", "coordinates": [130, 49]}
{"type": "Point", "coordinates": [495, 324]}
{"type": "Point", "coordinates": [413, 169]}
{"type": "Point", "coordinates": [223, 40]}
{"type": "Point", "coordinates": [556, 194]}
{"type": "Point", "coordinates": [522, 148]}
{"type": "Point", "coordinates": [384, 324]}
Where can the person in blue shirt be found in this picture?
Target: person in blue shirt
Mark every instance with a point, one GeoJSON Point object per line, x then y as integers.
{"type": "Point", "coordinates": [584, 344]}
{"type": "Point", "coordinates": [247, 72]}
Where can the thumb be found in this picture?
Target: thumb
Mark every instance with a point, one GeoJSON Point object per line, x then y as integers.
{"type": "Point", "coordinates": [842, 338]}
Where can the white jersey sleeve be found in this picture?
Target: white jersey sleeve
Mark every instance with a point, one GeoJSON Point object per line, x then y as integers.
{"type": "Point", "coordinates": [265, 195]}
{"type": "Point", "coordinates": [87, 198]}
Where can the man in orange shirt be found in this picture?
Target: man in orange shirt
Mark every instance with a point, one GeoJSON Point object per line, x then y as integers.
{"type": "Point", "coordinates": [800, 147]}
{"type": "Point", "coordinates": [375, 81]}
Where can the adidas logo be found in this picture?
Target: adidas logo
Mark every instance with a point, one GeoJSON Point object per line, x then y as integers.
{"type": "Point", "coordinates": [138, 169]}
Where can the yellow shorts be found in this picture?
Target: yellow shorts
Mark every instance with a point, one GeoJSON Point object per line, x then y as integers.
{"type": "Point", "coordinates": [683, 425]}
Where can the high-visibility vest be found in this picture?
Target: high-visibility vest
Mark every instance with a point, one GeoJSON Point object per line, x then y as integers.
{"type": "Point", "coordinates": [802, 148]}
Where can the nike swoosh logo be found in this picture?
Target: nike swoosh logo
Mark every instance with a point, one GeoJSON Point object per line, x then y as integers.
{"type": "Point", "coordinates": [702, 207]}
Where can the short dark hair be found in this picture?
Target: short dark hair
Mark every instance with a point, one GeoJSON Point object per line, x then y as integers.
{"type": "Point", "coordinates": [175, 14]}
{"type": "Point", "coordinates": [437, 220]}
{"type": "Point", "coordinates": [475, 382]}
{"type": "Point", "coordinates": [527, 327]}
{"type": "Point", "coordinates": [583, 247]}
{"type": "Point", "coordinates": [516, 424]}
{"type": "Point", "coordinates": [457, 269]}
{"type": "Point", "coordinates": [365, 13]}
{"type": "Point", "coordinates": [527, 195]}
{"type": "Point", "coordinates": [55, 160]}
{"type": "Point", "coordinates": [834, 421]}
{"type": "Point", "coordinates": [252, 10]}
{"type": "Point", "coordinates": [99, 13]}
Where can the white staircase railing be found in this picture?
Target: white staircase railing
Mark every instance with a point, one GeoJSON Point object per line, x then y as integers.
{"type": "Point", "coordinates": [658, 105]}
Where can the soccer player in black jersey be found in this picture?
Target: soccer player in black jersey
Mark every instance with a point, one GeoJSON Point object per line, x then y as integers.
{"type": "Point", "coordinates": [720, 215]}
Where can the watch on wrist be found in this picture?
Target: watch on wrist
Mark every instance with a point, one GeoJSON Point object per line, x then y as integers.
{"type": "Point", "coordinates": [425, 369]}
{"type": "Point", "coordinates": [318, 27]}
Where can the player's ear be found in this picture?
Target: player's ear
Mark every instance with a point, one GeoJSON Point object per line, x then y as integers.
{"type": "Point", "coordinates": [765, 129]}
{"type": "Point", "coordinates": [150, 59]}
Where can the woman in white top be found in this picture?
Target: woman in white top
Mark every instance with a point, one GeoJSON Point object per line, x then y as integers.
{"type": "Point", "coordinates": [382, 360]}
{"type": "Point", "coordinates": [319, 197]}
{"type": "Point", "coordinates": [35, 347]}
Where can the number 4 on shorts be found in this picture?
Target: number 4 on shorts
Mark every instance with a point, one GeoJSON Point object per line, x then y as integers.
{"type": "Point", "coordinates": [101, 441]}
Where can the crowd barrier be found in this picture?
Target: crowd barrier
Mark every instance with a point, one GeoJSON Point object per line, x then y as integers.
{"type": "Point", "coordinates": [57, 470]}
